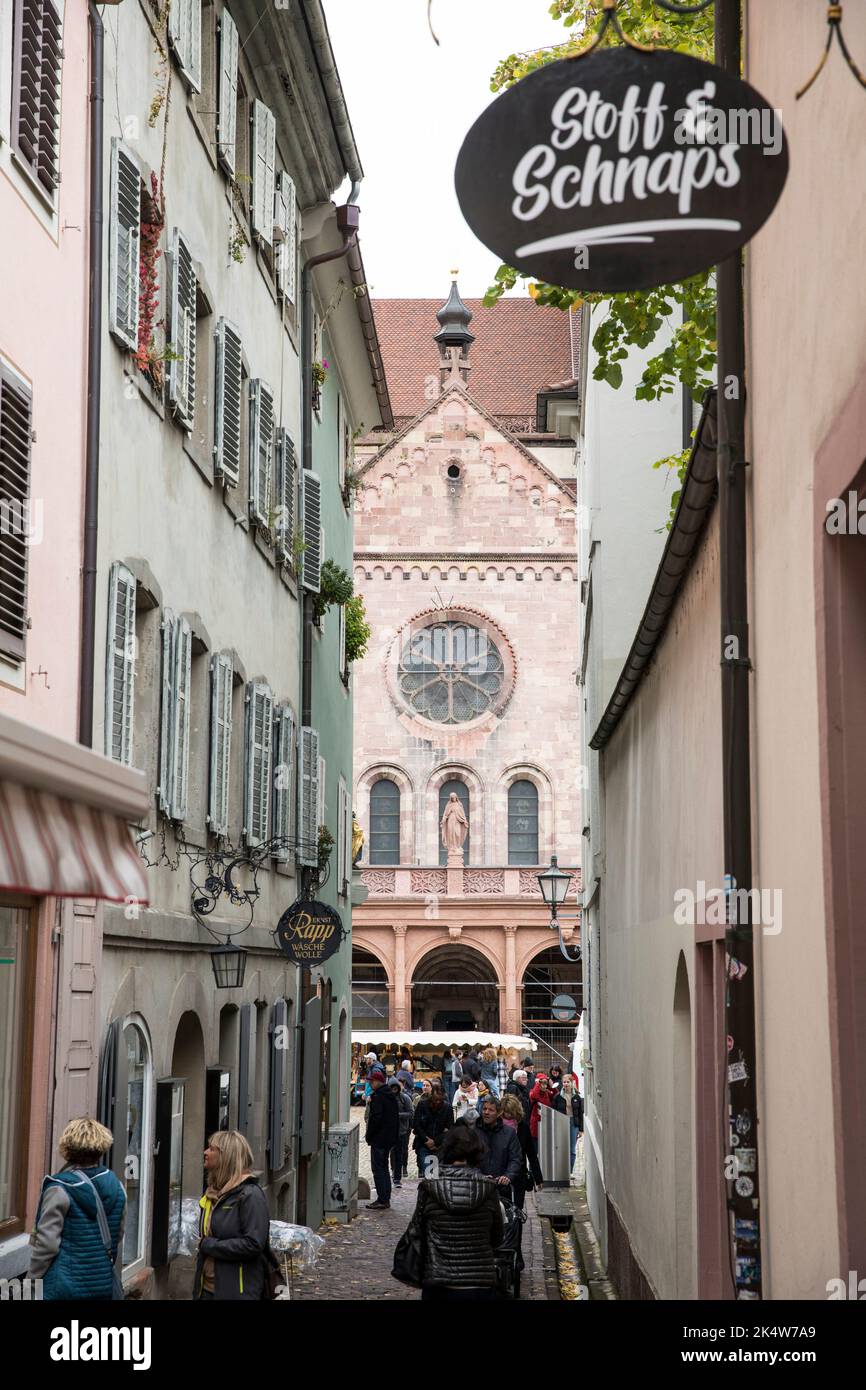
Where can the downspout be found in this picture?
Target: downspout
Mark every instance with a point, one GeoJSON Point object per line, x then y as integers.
{"type": "Point", "coordinates": [94, 386]}
{"type": "Point", "coordinates": [741, 1057]}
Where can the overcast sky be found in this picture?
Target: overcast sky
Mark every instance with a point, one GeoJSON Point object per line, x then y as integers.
{"type": "Point", "coordinates": [411, 104]}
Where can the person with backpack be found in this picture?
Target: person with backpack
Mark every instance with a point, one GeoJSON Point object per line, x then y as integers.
{"type": "Point", "coordinates": [79, 1220]}
{"type": "Point", "coordinates": [234, 1226]}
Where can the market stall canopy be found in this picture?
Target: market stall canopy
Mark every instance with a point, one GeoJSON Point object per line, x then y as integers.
{"type": "Point", "coordinates": [64, 819]}
{"type": "Point", "coordinates": [446, 1039]}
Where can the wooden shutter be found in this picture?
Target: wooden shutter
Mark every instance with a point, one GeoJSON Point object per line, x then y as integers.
{"type": "Point", "coordinates": [286, 218]}
{"type": "Point", "coordinates": [276, 1098]}
{"type": "Point", "coordinates": [308, 795]}
{"type": "Point", "coordinates": [261, 450]}
{"type": "Point", "coordinates": [120, 666]}
{"type": "Point", "coordinates": [246, 1068]}
{"type": "Point", "coordinates": [37, 55]}
{"type": "Point", "coordinates": [311, 559]}
{"type": "Point", "coordinates": [165, 789]}
{"type": "Point", "coordinates": [222, 678]}
{"type": "Point", "coordinates": [347, 843]}
{"type": "Point", "coordinates": [184, 32]}
{"type": "Point", "coordinates": [228, 92]}
{"type": "Point", "coordinates": [340, 873]}
{"type": "Point", "coordinates": [285, 527]}
{"type": "Point", "coordinates": [124, 246]}
{"type": "Point", "coordinates": [16, 439]}
{"type": "Point", "coordinates": [181, 372]}
{"type": "Point", "coordinates": [258, 763]}
{"type": "Point", "coordinates": [180, 735]}
{"type": "Point", "coordinates": [228, 388]}
{"type": "Point", "coordinates": [284, 770]}
{"type": "Point", "coordinates": [264, 153]}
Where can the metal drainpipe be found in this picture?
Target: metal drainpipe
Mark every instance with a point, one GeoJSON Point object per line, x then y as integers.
{"type": "Point", "coordinates": [736, 666]}
{"type": "Point", "coordinates": [94, 387]}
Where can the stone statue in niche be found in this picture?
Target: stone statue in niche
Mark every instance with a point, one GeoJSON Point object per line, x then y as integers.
{"type": "Point", "coordinates": [455, 828]}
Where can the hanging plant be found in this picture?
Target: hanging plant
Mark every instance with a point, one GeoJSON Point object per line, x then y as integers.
{"type": "Point", "coordinates": [148, 358]}
{"type": "Point", "coordinates": [358, 630]}
{"type": "Point", "coordinates": [324, 845]}
{"type": "Point", "coordinates": [335, 586]}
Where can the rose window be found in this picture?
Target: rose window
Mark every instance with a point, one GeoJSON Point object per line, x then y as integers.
{"type": "Point", "coordinates": [450, 673]}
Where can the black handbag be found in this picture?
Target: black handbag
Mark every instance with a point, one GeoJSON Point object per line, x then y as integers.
{"type": "Point", "coordinates": [409, 1255]}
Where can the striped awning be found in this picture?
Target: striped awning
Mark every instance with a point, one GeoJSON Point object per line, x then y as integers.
{"type": "Point", "coordinates": [52, 845]}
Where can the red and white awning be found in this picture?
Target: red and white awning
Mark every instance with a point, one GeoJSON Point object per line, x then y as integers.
{"type": "Point", "coordinates": [51, 845]}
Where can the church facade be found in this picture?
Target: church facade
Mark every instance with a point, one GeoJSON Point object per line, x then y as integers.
{"type": "Point", "coordinates": [465, 780]}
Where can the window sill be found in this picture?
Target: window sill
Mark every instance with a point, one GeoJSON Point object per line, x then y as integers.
{"type": "Point", "coordinates": [264, 547]}
{"type": "Point", "coordinates": [289, 580]}
{"type": "Point", "coordinates": [235, 507]}
{"type": "Point", "coordinates": [201, 129]}
{"type": "Point", "coordinates": [201, 456]}
{"type": "Point", "coordinates": [143, 386]}
{"type": "Point", "coordinates": [48, 200]}
{"type": "Point", "coordinates": [266, 274]}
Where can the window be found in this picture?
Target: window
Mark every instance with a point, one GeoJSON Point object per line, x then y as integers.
{"type": "Point", "coordinates": [343, 802]}
{"type": "Point", "coordinates": [310, 506]}
{"type": "Point", "coordinates": [120, 665]}
{"type": "Point", "coordinates": [17, 945]}
{"type": "Point", "coordinates": [15, 449]}
{"type": "Point", "coordinates": [174, 718]}
{"type": "Point", "coordinates": [321, 805]}
{"type": "Point", "coordinates": [241, 174]}
{"type": "Point", "coordinates": [462, 792]}
{"type": "Point", "coordinates": [286, 220]}
{"type": "Point", "coordinates": [286, 478]}
{"type": "Point", "coordinates": [284, 777]}
{"type": "Point", "coordinates": [522, 823]}
{"type": "Point", "coordinates": [228, 92]}
{"type": "Point", "coordinates": [37, 54]}
{"type": "Point", "coordinates": [261, 451]}
{"type": "Point", "coordinates": [450, 672]}
{"type": "Point", "coordinates": [341, 643]}
{"type": "Point", "coordinates": [228, 392]}
{"type": "Point", "coordinates": [222, 681]}
{"type": "Point", "coordinates": [201, 441]}
{"type": "Point", "coordinates": [384, 822]}
{"type": "Point", "coordinates": [258, 773]}
{"type": "Point", "coordinates": [308, 795]}
{"type": "Point", "coordinates": [181, 376]}
{"type": "Point", "coordinates": [135, 1174]}
{"type": "Point", "coordinates": [184, 33]}
{"type": "Point", "coordinates": [342, 428]}
{"type": "Point", "coordinates": [263, 161]}
{"type": "Point", "coordinates": [125, 213]}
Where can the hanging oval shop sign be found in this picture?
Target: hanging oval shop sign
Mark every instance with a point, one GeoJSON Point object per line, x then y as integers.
{"type": "Point", "coordinates": [622, 170]}
{"type": "Point", "coordinates": [309, 933]}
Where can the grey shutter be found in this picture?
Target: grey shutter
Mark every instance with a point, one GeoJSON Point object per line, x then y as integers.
{"type": "Point", "coordinates": [16, 439]}
{"type": "Point", "coordinates": [263, 161]}
{"type": "Point", "coordinates": [341, 440]}
{"type": "Point", "coordinates": [284, 743]}
{"type": "Point", "coordinates": [341, 639]}
{"type": "Point", "coordinates": [108, 1090]}
{"type": "Point", "coordinates": [258, 763]}
{"type": "Point", "coordinates": [228, 391]}
{"type": "Point", "coordinates": [124, 247]}
{"type": "Point", "coordinates": [246, 1069]}
{"type": "Point", "coordinates": [308, 795]}
{"type": "Point", "coordinates": [311, 559]}
{"type": "Point", "coordinates": [228, 92]}
{"type": "Point", "coordinates": [181, 372]}
{"type": "Point", "coordinates": [341, 834]}
{"type": "Point", "coordinates": [286, 218]}
{"type": "Point", "coordinates": [285, 527]}
{"type": "Point", "coordinates": [184, 32]}
{"type": "Point", "coordinates": [120, 666]}
{"type": "Point", "coordinates": [180, 736]}
{"type": "Point", "coordinates": [165, 790]}
{"type": "Point", "coordinates": [347, 842]}
{"type": "Point", "coordinates": [276, 1099]}
{"type": "Point", "coordinates": [261, 450]}
{"type": "Point", "coordinates": [311, 1093]}
{"type": "Point", "coordinates": [37, 55]}
{"type": "Point", "coordinates": [222, 678]}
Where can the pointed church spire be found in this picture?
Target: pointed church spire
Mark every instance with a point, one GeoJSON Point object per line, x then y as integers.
{"type": "Point", "coordinates": [454, 336]}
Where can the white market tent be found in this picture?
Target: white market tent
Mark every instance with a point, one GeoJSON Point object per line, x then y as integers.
{"type": "Point", "coordinates": [387, 1041]}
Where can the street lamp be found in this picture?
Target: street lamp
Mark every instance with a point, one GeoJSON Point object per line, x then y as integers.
{"type": "Point", "coordinates": [229, 963]}
{"type": "Point", "coordinates": [554, 884]}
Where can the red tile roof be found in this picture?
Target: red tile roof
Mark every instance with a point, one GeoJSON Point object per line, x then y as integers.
{"type": "Point", "coordinates": [520, 348]}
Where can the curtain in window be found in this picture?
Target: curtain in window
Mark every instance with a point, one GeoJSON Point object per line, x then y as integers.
{"type": "Point", "coordinates": [522, 823]}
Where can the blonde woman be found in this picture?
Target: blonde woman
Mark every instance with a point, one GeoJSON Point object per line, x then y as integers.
{"type": "Point", "coordinates": [79, 1220]}
{"type": "Point", "coordinates": [490, 1070]}
{"type": "Point", "coordinates": [234, 1224]}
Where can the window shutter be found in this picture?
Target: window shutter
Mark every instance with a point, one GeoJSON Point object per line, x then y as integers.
{"type": "Point", "coordinates": [180, 733]}
{"type": "Point", "coordinates": [261, 450]}
{"type": "Point", "coordinates": [276, 1109]}
{"type": "Point", "coordinates": [341, 441]}
{"type": "Point", "coordinates": [320, 804]}
{"type": "Point", "coordinates": [123, 246]}
{"type": "Point", "coordinates": [184, 32]}
{"type": "Point", "coordinates": [227, 448]}
{"type": "Point", "coordinates": [341, 836]}
{"type": "Point", "coordinates": [181, 373]}
{"type": "Point", "coordinates": [286, 217]}
{"type": "Point", "coordinates": [311, 559]}
{"type": "Point", "coordinates": [342, 639]}
{"type": "Point", "coordinates": [37, 55]}
{"type": "Point", "coordinates": [285, 496]}
{"type": "Point", "coordinates": [222, 677]}
{"type": "Point", "coordinates": [264, 153]}
{"type": "Point", "coordinates": [120, 668]}
{"type": "Point", "coordinates": [308, 795]}
{"type": "Point", "coordinates": [167, 719]}
{"type": "Point", "coordinates": [16, 439]}
{"type": "Point", "coordinates": [228, 92]}
{"type": "Point", "coordinates": [284, 776]}
{"type": "Point", "coordinates": [347, 862]}
{"type": "Point", "coordinates": [258, 770]}
{"type": "Point", "coordinates": [246, 1068]}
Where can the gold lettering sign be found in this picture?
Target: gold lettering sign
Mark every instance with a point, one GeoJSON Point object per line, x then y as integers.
{"type": "Point", "coordinates": [309, 932]}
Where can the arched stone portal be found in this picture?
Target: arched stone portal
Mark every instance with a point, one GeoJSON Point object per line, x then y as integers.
{"type": "Point", "coordinates": [370, 993]}
{"type": "Point", "coordinates": [547, 975]}
{"type": "Point", "coordinates": [455, 986]}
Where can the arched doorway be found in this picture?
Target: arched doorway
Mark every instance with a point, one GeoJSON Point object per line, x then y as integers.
{"type": "Point", "coordinates": [369, 992]}
{"type": "Point", "coordinates": [455, 987]}
{"type": "Point", "coordinates": [683, 1133]}
{"type": "Point", "coordinates": [547, 976]}
{"type": "Point", "coordinates": [187, 1061]}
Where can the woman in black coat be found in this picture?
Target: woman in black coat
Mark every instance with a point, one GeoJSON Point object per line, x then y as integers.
{"type": "Point", "coordinates": [460, 1221]}
{"type": "Point", "coordinates": [234, 1226]}
{"type": "Point", "coordinates": [433, 1115]}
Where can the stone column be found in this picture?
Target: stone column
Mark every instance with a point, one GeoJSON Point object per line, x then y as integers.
{"type": "Point", "coordinates": [512, 1014]}
{"type": "Point", "coordinates": [399, 1020]}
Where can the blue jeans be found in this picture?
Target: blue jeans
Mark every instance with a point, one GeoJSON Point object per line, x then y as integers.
{"type": "Point", "coordinates": [381, 1176]}
{"type": "Point", "coordinates": [574, 1133]}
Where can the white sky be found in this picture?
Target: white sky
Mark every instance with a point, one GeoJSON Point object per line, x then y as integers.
{"type": "Point", "coordinates": [411, 104]}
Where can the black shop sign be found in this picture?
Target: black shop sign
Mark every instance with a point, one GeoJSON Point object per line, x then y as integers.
{"type": "Point", "coordinates": [309, 933]}
{"type": "Point", "coordinates": [622, 170]}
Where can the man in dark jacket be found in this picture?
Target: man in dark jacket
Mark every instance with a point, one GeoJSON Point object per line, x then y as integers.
{"type": "Point", "coordinates": [383, 1131]}
{"type": "Point", "coordinates": [517, 1087]}
{"type": "Point", "coordinates": [433, 1116]}
{"type": "Point", "coordinates": [405, 1114]}
{"type": "Point", "coordinates": [504, 1159]}
{"type": "Point", "coordinates": [472, 1066]}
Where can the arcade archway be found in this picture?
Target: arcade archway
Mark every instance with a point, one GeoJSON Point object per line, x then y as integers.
{"type": "Point", "coordinates": [369, 991]}
{"type": "Point", "coordinates": [455, 987]}
{"type": "Point", "coordinates": [547, 976]}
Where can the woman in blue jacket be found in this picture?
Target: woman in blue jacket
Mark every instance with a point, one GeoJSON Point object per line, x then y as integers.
{"type": "Point", "coordinates": [69, 1249]}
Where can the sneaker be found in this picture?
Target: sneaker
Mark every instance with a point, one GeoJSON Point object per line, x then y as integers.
{"type": "Point", "coordinates": [398, 1186]}
{"type": "Point", "coordinates": [378, 1206]}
